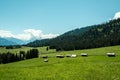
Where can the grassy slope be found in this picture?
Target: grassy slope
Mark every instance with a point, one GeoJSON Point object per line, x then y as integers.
{"type": "Point", "coordinates": [17, 50]}
{"type": "Point", "coordinates": [81, 68]}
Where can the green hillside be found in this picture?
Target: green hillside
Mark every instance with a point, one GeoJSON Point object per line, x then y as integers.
{"type": "Point", "coordinates": [95, 36]}
{"type": "Point", "coordinates": [97, 66]}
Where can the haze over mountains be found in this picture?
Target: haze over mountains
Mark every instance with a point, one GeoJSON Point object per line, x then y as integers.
{"type": "Point", "coordinates": [28, 35]}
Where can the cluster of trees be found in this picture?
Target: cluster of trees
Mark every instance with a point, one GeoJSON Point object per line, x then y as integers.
{"type": "Point", "coordinates": [8, 57]}
{"type": "Point", "coordinates": [33, 53]}
{"type": "Point", "coordinates": [11, 57]}
{"type": "Point", "coordinates": [13, 46]}
{"type": "Point", "coordinates": [106, 34]}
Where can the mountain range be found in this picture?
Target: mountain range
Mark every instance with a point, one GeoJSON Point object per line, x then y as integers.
{"type": "Point", "coordinates": [11, 41]}
{"type": "Point", "coordinates": [4, 42]}
{"type": "Point", "coordinates": [101, 35]}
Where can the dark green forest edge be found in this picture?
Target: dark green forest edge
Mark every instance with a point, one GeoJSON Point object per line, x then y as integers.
{"type": "Point", "coordinates": [12, 57]}
{"type": "Point", "coordinates": [101, 35]}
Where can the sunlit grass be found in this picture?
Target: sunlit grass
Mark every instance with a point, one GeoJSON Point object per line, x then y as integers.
{"type": "Point", "coordinates": [97, 66]}
{"type": "Point", "coordinates": [23, 48]}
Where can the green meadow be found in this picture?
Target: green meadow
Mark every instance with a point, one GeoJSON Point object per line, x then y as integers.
{"type": "Point", "coordinates": [17, 50]}
{"type": "Point", "coordinates": [97, 66]}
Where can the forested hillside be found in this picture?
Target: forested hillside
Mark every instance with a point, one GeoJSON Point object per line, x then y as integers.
{"type": "Point", "coordinates": [39, 43]}
{"type": "Point", "coordinates": [101, 35]}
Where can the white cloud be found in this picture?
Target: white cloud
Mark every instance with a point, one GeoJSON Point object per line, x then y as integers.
{"type": "Point", "coordinates": [117, 15]}
{"type": "Point", "coordinates": [34, 33]}
{"type": "Point", "coordinates": [27, 34]}
{"type": "Point", "coordinates": [4, 33]}
{"type": "Point", "coordinates": [23, 36]}
{"type": "Point", "coordinates": [48, 36]}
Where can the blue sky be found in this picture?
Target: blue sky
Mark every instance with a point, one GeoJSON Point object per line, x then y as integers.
{"type": "Point", "coordinates": [54, 16]}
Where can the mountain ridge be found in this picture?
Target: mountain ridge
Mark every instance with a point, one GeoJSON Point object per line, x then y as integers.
{"type": "Point", "coordinates": [101, 35]}
{"type": "Point", "coordinates": [5, 42]}
{"type": "Point", "coordinates": [12, 41]}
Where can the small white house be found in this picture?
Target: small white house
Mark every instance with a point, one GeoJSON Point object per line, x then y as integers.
{"type": "Point", "coordinates": [68, 55]}
{"type": "Point", "coordinates": [84, 54]}
{"type": "Point", "coordinates": [73, 55]}
{"type": "Point", "coordinates": [59, 56]}
{"type": "Point", "coordinates": [111, 54]}
{"type": "Point", "coordinates": [45, 60]}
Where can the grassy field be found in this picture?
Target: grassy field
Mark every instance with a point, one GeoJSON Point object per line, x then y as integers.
{"type": "Point", "coordinates": [17, 50]}
{"type": "Point", "coordinates": [97, 66]}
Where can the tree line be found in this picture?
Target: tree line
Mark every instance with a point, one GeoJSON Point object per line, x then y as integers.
{"type": "Point", "coordinates": [11, 57]}
{"type": "Point", "coordinates": [13, 46]}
